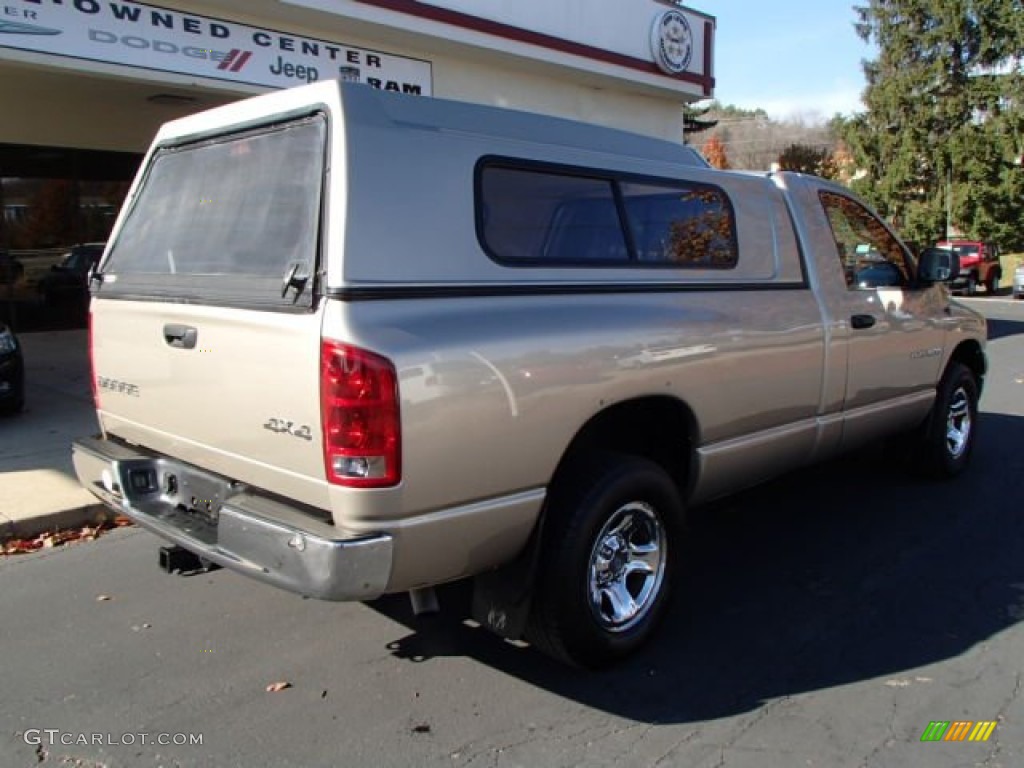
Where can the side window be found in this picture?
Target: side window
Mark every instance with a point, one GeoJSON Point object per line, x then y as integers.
{"type": "Point", "coordinates": [688, 226]}
{"type": "Point", "coordinates": [870, 256]}
{"type": "Point", "coordinates": [534, 216]}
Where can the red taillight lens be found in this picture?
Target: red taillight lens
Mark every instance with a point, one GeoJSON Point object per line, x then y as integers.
{"type": "Point", "coordinates": [92, 368]}
{"type": "Point", "coordinates": [359, 411]}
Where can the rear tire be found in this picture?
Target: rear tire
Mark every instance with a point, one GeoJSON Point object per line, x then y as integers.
{"type": "Point", "coordinates": [947, 439]}
{"type": "Point", "coordinates": [608, 556]}
{"type": "Point", "coordinates": [992, 286]}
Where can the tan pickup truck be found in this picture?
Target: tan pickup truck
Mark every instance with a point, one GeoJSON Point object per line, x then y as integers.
{"type": "Point", "coordinates": [353, 343]}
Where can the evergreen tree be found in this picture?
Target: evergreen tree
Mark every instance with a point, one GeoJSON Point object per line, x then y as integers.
{"type": "Point", "coordinates": [695, 120]}
{"type": "Point", "coordinates": [945, 116]}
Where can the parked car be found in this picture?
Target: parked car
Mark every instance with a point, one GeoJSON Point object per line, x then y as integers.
{"type": "Point", "coordinates": [1018, 282]}
{"type": "Point", "coordinates": [12, 373]}
{"type": "Point", "coordinates": [67, 282]}
{"type": "Point", "coordinates": [979, 265]}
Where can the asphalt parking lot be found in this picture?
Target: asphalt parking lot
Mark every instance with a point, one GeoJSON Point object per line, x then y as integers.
{"type": "Point", "coordinates": [824, 620]}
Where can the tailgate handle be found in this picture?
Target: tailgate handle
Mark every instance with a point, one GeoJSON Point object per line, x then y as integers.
{"type": "Point", "coordinates": [180, 336]}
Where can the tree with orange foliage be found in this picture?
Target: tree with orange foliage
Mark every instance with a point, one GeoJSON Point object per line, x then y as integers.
{"type": "Point", "coordinates": [714, 152]}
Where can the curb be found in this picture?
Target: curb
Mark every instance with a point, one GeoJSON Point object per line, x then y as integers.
{"type": "Point", "coordinates": [76, 517]}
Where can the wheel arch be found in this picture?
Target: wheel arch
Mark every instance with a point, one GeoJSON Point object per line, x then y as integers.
{"type": "Point", "coordinates": [970, 354]}
{"type": "Point", "coordinates": [661, 428]}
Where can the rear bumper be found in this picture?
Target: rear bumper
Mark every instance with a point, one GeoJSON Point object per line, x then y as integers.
{"type": "Point", "coordinates": [234, 527]}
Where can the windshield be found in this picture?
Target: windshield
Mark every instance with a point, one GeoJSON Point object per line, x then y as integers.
{"type": "Point", "coordinates": [966, 250]}
{"type": "Point", "coordinates": [244, 207]}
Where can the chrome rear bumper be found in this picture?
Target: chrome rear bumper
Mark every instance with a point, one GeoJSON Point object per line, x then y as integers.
{"type": "Point", "coordinates": [228, 524]}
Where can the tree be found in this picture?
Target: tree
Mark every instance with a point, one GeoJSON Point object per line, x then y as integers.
{"type": "Point", "coordinates": [945, 117]}
{"type": "Point", "coordinates": [695, 120]}
{"type": "Point", "coordinates": [53, 215]}
{"type": "Point", "coordinates": [714, 152]}
{"type": "Point", "coordinates": [753, 140]}
{"type": "Point", "coordinates": [804, 158]}
{"type": "Point", "coordinates": [843, 163]}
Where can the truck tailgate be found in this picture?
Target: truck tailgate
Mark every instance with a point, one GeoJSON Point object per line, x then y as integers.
{"type": "Point", "coordinates": [205, 327]}
{"type": "Point", "coordinates": [235, 391]}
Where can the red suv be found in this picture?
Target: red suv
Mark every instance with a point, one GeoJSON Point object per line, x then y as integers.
{"type": "Point", "coordinates": [979, 264]}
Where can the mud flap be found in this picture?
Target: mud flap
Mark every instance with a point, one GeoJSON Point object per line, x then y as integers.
{"type": "Point", "coordinates": [502, 598]}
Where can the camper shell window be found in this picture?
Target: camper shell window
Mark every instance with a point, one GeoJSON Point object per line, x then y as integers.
{"type": "Point", "coordinates": [543, 216]}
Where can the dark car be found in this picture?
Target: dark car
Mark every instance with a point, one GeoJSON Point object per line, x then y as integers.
{"type": "Point", "coordinates": [12, 372]}
{"type": "Point", "coordinates": [68, 281]}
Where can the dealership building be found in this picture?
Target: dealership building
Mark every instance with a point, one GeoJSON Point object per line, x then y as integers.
{"type": "Point", "coordinates": [84, 84]}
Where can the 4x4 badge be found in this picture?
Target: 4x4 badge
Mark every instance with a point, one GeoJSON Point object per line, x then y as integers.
{"type": "Point", "coordinates": [283, 426]}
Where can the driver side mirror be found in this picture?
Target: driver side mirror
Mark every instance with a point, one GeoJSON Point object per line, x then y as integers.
{"type": "Point", "coordinates": [938, 265]}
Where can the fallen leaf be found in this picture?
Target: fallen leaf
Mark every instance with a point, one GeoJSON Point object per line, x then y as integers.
{"type": "Point", "coordinates": [421, 728]}
{"type": "Point", "coordinates": [21, 546]}
{"type": "Point", "coordinates": [54, 538]}
{"type": "Point", "coordinates": [275, 687]}
{"type": "Point", "coordinates": [51, 539]}
{"type": "Point", "coordinates": [102, 598]}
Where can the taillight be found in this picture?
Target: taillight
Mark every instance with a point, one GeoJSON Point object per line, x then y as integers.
{"type": "Point", "coordinates": [92, 368]}
{"type": "Point", "coordinates": [359, 412]}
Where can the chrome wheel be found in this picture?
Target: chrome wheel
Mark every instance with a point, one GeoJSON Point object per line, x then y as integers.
{"type": "Point", "coordinates": [627, 567]}
{"type": "Point", "coordinates": [958, 423]}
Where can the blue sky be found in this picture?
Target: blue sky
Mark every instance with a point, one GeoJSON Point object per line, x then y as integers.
{"type": "Point", "coordinates": [791, 57]}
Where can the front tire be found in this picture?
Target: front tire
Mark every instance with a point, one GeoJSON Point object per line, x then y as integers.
{"type": "Point", "coordinates": [609, 553]}
{"type": "Point", "coordinates": [992, 286]}
{"type": "Point", "coordinates": [948, 437]}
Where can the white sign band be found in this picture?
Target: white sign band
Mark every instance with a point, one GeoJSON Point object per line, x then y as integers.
{"type": "Point", "coordinates": [155, 38]}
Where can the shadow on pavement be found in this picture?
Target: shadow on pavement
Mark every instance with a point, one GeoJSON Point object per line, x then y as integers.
{"type": "Point", "coordinates": [998, 329]}
{"type": "Point", "coordinates": [834, 575]}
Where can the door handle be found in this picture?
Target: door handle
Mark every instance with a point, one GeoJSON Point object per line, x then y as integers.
{"type": "Point", "coordinates": [180, 336]}
{"type": "Point", "coordinates": [860, 322]}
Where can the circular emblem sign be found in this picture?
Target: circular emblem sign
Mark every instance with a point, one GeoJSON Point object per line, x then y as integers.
{"type": "Point", "coordinates": [672, 42]}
